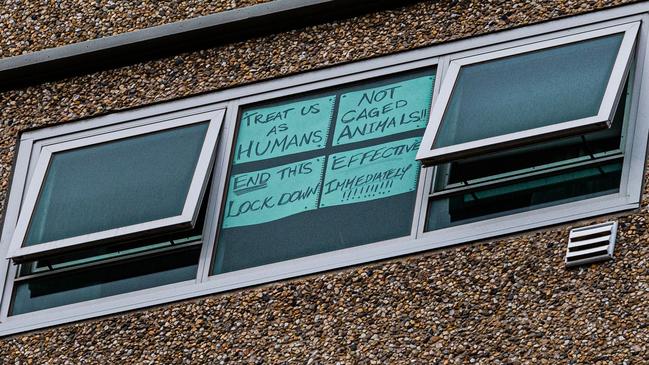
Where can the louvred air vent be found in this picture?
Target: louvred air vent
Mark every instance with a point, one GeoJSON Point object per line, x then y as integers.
{"type": "Point", "coordinates": [591, 244]}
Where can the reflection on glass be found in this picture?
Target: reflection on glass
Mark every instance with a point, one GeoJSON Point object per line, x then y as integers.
{"type": "Point", "coordinates": [528, 91]}
{"type": "Point", "coordinates": [530, 194]}
{"type": "Point", "coordinates": [105, 270]}
{"type": "Point", "coordinates": [103, 281]}
{"type": "Point", "coordinates": [116, 184]}
{"type": "Point", "coordinates": [536, 157]}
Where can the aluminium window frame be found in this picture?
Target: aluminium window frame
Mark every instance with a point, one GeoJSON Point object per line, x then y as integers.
{"type": "Point", "coordinates": [528, 173]}
{"type": "Point", "coordinates": [231, 99]}
{"type": "Point", "coordinates": [429, 155]}
{"type": "Point", "coordinates": [186, 219]}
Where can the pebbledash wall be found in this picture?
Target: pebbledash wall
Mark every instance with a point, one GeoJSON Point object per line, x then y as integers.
{"type": "Point", "coordinates": [508, 300]}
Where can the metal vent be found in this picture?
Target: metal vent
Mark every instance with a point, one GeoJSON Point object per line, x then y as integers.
{"type": "Point", "coordinates": [591, 244]}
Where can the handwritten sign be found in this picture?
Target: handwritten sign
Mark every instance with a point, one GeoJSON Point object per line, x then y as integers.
{"type": "Point", "coordinates": [382, 111]}
{"type": "Point", "coordinates": [267, 195]}
{"type": "Point", "coordinates": [283, 129]}
{"type": "Point", "coordinates": [371, 173]}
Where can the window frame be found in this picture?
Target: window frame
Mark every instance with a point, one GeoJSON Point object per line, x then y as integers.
{"type": "Point", "coordinates": [429, 155]}
{"type": "Point", "coordinates": [231, 100]}
{"type": "Point", "coordinates": [224, 164]}
{"type": "Point", "coordinates": [187, 218]}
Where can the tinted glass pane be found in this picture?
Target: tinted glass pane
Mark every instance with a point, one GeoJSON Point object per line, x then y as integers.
{"type": "Point", "coordinates": [78, 286]}
{"type": "Point", "coordinates": [538, 156]}
{"type": "Point", "coordinates": [323, 172]}
{"type": "Point", "coordinates": [116, 184]}
{"type": "Point", "coordinates": [520, 196]}
{"type": "Point", "coordinates": [105, 252]}
{"type": "Point", "coordinates": [528, 91]}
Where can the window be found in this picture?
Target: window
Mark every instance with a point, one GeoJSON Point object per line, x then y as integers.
{"type": "Point", "coordinates": [116, 186]}
{"type": "Point", "coordinates": [113, 212]}
{"type": "Point", "coordinates": [516, 96]}
{"type": "Point", "coordinates": [326, 171]}
{"type": "Point", "coordinates": [503, 103]}
{"type": "Point", "coordinates": [524, 178]}
{"type": "Point", "coordinates": [105, 272]}
{"type": "Point", "coordinates": [286, 177]}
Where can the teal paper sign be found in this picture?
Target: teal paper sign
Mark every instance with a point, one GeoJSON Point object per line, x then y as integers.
{"type": "Point", "coordinates": [371, 173]}
{"type": "Point", "coordinates": [283, 129]}
{"type": "Point", "coordinates": [383, 111]}
{"type": "Point", "coordinates": [267, 195]}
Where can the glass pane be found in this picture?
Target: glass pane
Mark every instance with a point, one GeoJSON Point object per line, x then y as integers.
{"type": "Point", "coordinates": [528, 91]}
{"type": "Point", "coordinates": [116, 184]}
{"type": "Point", "coordinates": [537, 156]}
{"type": "Point", "coordinates": [118, 250]}
{"type": "Point", "coordinates": [530, 177]}
{"type": "Point", "coordinates": [324, 171]}
{"type": "Point", "coordinates": [99, 282]}
{"type": "Point", "coordinates": [479, 204]}
{"type": "Point", "coordinates": [106, 252]}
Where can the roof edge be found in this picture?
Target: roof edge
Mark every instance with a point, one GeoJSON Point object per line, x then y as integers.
{"type": "Point", "coordinates": [173, 38]}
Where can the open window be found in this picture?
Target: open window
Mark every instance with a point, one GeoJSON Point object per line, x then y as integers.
{"type": "Point", "coordinates": [116, 187]}
{"type": "Point", "coordinates": [503, 183]}
{"type": "Point", "coordinates": [320, 170]}
{"type": "Point", "coordinates": [523, 95]}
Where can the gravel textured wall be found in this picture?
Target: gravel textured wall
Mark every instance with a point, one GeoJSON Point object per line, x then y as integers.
{"type": "Point", "coordinates": [27, 26]}
{"type": "Point", "coordinates": [509, 301]}
{"type": "Point", "coordinates": [504, 302]}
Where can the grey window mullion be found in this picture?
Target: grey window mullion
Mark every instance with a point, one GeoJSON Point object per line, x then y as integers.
{"type": "Point", "coordinates": [429, 173]}
{"type": "Point", "coordinates": [217, 190]}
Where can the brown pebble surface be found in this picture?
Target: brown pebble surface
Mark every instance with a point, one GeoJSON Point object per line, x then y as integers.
{"type": "Point", "coordinates": [508, 301]}
{"type": "Point", "coordinates": [28, 26]}
{"type": "Point", "coordinates": [505, 302]}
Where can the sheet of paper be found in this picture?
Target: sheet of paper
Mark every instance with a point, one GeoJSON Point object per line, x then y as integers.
{"type": "Point", "coordinates": [371, 173]}
{"type": "Point", "coordinates": [270, 194]}
{"type": "Point", "coordinates": [383, 111]}
{"type": "Point", "coordinates": [285, 129]}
